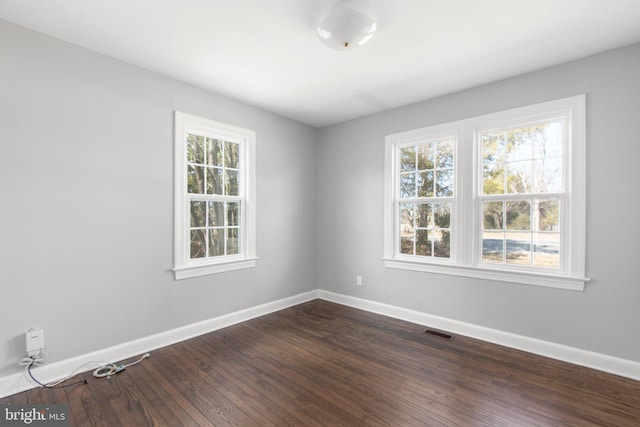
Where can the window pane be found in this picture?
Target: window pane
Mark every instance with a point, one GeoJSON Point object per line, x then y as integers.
{"type": "Point", "coordinates": [546, 250]}
{"type": "Point", "coordinates": [233, 214]}
{"type": "Point", "coordinates": [195, 179]}
{"type": "Point", "coordinates": [198, 244]}
{"type": "Point", "coordinates": [518, 248]}
{"type": "Point", "coordinates": [408, 186]}
{"type": "Point", "coordinates": [198, 214]}
{"type": "Point", "coordinates": [492, 215]}
{"type": "Point", "coordinates": [442, 215]}
{"type": "Point", "coordinates": [195, 149]}
{"type": "Point", "coordinates": [493, 179]}
{"type": "Point", "coordinates": [231, 183]}
{"type": "Point", "coordinates": [425, 157]}
{"type": "Point", "coordinates": [493, 246]}
{"type": "Point", "coordinates": [548, 175]}
{"type": "Point", "coordinates": [214, 181]}
{"type": "Point", "coordinates": [425, 215]}
{"type": "Point", "coordinates": [445, 154]}
{"type": "Point", "coordinates": [519, 177]}
{"type": "Point", "coordinates": [520, 144]}
{"type": "Point", "coordinates": [423, 244]}
{"type": "Point", "coordinates": [231, 155]}
{"type": "Point", "coordinates": [425, 184]}
{"type": "Point", "coordinates": [444, 183]}
{"type": "Point", "coordinates": [214, 152]}
{"type": "Point", "coordinates": [216, 242]}
{"type": "Point", "coordinates": [407, 159]}
{"type": "Point", "coordinates": [216, 215]}
{"type": "Point", "coordinates": [549, 215]}
{"type": "Point", "coordinates": [233, 242]}
{"type": "Point", "coordinates": [548, 142]}
{"type": "Point", "coordinates": [441, 243]}
{"type": "Point", "coordinates": [518, 215]}
{"type": "Point", "coordinates": [406, 240]}
{"type": "Point", "coordinates": [493, 147]}
{"type": "Point", "coordinates": [406, 215]}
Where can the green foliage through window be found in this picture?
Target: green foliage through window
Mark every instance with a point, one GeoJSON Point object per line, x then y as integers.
{"type": "Point", "coordinates": [426, 180]}
{"type": "Point", "coordinates": [522, 182]}
{"type": "Point", "coordinates": [213, 169]}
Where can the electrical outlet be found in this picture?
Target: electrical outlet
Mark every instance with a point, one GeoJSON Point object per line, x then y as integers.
{"type": "Point", "coordinates": [358, 280]}
{"type": "Point", "coordinates": [34, 339]}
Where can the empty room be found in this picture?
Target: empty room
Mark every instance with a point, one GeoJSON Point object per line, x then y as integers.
{"type": "Point", "coordinates": [319, 212]}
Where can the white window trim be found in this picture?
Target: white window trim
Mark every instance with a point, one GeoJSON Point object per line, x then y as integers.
{"type": "Point", "coordinates": [184, 266]}
{"type": "Point", "coordinates": [463, 260]}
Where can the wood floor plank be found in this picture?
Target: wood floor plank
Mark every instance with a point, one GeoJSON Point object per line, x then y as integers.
{"type": "Point", "coordinates": [404, 394]}
{"type": "Point", "coordinates": [148, 385]}
{"type": "Point", "coordinates": [153, 378]}
{"type": "Point", "coordinates": [226, 406]}
{"type": "Point", "coordinates": [212, 370]}
{"type": "Point", "coordinates": [329, 371]}
{"type": "Point", "coordinates": [257, 373]}
{"type": "Point", "coordinates": [321, 363]}
{"type": "Point", "coordinates": [192, 400]}
{"type": "Point", "coordinates": [296, 376]}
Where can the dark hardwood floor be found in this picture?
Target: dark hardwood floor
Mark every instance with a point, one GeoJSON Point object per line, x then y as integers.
{"type": "Point", "coordinates": [321, 363]}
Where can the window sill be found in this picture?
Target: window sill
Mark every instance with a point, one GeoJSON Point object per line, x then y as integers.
{"type": "Point", "coordinates": [527, 278]}
{"type": "Point", "coordinates": [219, 267]}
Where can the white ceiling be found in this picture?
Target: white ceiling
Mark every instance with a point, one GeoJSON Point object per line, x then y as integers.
{"type": "Point", "coordinates": [267, 53]}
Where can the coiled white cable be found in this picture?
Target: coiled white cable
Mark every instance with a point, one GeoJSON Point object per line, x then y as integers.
{"type": "Point", "coordinates": [109, 369]}
{"type": "Point", "coordinates": [104, 369]}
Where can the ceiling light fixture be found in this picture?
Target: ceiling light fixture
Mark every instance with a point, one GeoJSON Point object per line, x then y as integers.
{"type": "Point", "coordinates": [345, 27]}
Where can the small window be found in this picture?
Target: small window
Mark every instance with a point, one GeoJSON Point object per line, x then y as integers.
{"type": "Point", "coordinates": [426, 196]}
{"type": "Point", "coordinates": [498, 197]}
{"type": "Point", "coordinates": [214, 197]}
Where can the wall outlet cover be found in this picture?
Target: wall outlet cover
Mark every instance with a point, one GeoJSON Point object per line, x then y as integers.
{"type": "Point", "coordinates": [34, 341]}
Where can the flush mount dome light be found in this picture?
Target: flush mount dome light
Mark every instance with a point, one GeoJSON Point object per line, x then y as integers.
{"type": "Point", "coordinates": [346, 28]}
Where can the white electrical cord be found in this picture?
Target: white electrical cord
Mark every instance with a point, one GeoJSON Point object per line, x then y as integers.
{"type": "Point", "coordinates": [82, 368]}
{"type": "Point", "coordinates": [104, 369]}
{"type": "Point", "coordinates": [109, 369]}
{"type": "Point", "coordinates": [32, 360]}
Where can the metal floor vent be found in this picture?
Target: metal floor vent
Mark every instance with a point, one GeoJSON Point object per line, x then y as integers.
{"type": "Point", "coordinates": [440, 334]}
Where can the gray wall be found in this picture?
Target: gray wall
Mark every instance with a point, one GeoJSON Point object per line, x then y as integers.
{"type": "Point", "coordinates": [605, 317]}
{"type": "Point", "coordinates": [86, 202]}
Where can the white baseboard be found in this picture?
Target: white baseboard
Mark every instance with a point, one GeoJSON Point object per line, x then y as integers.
{"type": "Point", "coordinates": [16, 383]}
{"type": "Point", "coordinates": [589, 359]}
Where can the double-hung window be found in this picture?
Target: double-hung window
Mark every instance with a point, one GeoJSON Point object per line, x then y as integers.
{"type": "Point", "coordinates": [498, 197]}
{"type": "Point", "coordinates": [426, 201]}
{"type": "Point", "coordinates": [215, 194]}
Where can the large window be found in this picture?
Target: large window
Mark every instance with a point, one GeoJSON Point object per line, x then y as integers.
{"type": "Point", "coordinates": [214, 197]}
{"type": "Point", "coordinates": [498, 197]}
{"type": "Point", "coordinates": [522, 193]}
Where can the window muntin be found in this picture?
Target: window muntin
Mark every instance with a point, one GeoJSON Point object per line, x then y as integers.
{"type": "Point", "coordinates": [215, 197]}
